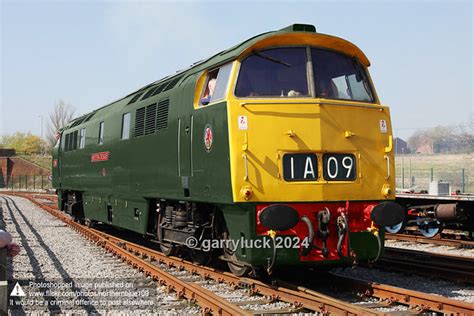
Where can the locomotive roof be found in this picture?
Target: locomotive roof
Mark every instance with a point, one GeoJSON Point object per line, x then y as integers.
{"type": "Point", "coordinates": [230, 54]}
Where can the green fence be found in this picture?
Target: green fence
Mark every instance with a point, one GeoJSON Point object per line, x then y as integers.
{"type": "Point", "coordinates": [29, 182]}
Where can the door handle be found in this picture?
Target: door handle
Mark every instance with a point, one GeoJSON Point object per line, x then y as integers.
{"type": "Point", "coordinates": [187, 129]}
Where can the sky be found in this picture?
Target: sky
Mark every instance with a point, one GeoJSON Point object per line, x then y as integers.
{"type": "Point", "coordinates": [90, 53]}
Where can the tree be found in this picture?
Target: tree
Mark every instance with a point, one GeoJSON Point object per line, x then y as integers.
{"type": "Point", "coordinates": [444, 139]}
{"type": "Point", "coordinates": [62, 114]}
{"type": "Point", "coordinates": [416, 140]}
{"type": "Point", "coordinates": [22, 143]}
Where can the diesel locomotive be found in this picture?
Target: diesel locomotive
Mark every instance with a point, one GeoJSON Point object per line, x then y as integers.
{"type": "Point", "coordinates": [280, 139]}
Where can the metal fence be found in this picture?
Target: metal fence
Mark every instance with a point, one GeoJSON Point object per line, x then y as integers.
{"type": "Point", "coordinates": [461, 179]}
{"type": "Point", "coordinates": [29, 182]}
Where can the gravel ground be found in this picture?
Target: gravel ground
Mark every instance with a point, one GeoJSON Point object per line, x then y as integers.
{"type": "Point", "coordinates": [62, 272]}
{"type": "Point", "coordinates": [437, 249]}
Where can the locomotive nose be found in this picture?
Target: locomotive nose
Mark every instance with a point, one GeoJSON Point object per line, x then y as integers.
{"type": "Point", "coordinates": [387, 214]}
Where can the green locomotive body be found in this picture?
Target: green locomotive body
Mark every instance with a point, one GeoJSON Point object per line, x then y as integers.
{"type": "Point", "coordinates": [166, 164]}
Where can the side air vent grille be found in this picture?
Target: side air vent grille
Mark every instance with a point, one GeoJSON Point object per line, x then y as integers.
{"type": "Point", "coordinates": [135, 98]}
{"type": "Point", "coordinates": [140, 122]}
{"type": "Point", "coordinates": [162, 115]}
{"type": "Point", "coordinates": [150, 120]}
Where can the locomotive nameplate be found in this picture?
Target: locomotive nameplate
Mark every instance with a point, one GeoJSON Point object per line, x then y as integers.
{"type": "Point", "coordinates": [102, 156]}
{"type": "Point", "coordinates": [300, 167]}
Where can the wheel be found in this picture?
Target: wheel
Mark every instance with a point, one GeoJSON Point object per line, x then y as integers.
{"type": "Point", "coordinates": [166, 248]}
{"type": "Point", "coordinates": [429, 228]}
{"type": "Point", "coordinates": [237, 268]}
{"type": "Point", "coordinates": [395, 229]}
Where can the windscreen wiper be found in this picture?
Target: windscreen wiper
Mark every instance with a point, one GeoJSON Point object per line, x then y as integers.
{"type": "Point", "coordinates": [271, 59]}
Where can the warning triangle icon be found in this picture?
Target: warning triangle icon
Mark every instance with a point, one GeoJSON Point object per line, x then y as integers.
{"type": "Point", "coordinates": [17, 290]}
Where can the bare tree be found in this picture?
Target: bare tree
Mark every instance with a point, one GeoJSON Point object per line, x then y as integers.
{"type": "Point", "coordinates": [62, 114]}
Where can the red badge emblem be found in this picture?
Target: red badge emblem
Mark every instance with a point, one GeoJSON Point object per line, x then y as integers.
{"type": "Point", "coordinates": [208, 137]}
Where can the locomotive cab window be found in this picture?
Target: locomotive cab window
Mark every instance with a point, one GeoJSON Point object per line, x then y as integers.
{"type": "Point", "coordinates": [277, 72]}
{"type": "Point", "coordinates": [216, 85]}
{"type": "Point", "coordinates": [338, 76]}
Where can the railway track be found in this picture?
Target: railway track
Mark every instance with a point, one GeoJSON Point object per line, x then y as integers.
{"type": "Point", "coordinates": [458, 243]}
{"type": "Point", "coordinates": [158, 266]}
{"type": "Point", "coordinates": [452, 268]}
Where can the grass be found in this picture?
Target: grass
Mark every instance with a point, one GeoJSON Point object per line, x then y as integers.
{"type": "Point", "coordinates": [446, 167]}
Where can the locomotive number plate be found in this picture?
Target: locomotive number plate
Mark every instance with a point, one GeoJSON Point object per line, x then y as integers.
{"type": "Point", "coordinates": [300, 167]}
{"type": "Point", "coordinates": [339, 167]}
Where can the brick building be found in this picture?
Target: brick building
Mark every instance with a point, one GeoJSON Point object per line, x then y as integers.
{"type": "Point", "coordinates": [12, 166]}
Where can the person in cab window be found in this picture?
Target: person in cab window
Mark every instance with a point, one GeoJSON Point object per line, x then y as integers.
{"type": "Point", "coordinates": [211, 85]}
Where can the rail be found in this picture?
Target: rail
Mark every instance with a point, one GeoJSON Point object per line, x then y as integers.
{"type": "Point", "coordinates": [453, 268]}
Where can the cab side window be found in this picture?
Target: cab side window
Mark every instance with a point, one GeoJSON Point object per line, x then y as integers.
{"type": "Point", "coordinates": [216, 85]}
{"type": "Point", "coordinates": [82, 138]}
{"type": "Point", "coordinates": [126, 126]}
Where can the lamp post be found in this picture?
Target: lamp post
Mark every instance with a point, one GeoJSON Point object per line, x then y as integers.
{"type": "Point", "coordinates": [41, 145]}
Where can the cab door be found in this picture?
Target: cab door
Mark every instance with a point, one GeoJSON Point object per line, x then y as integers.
{"type": "Point", "coordinates": [185, 127]}
{"type": "Point", "coordinates": [185, 133]}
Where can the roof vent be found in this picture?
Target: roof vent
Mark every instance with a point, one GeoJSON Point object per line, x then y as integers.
{"type": "Point", "coordinates": [135, 98]}
{"type": "Point", "coordinates": [299, 28]}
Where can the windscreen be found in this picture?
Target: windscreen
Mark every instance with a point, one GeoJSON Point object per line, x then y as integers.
{"type": "Point", "coordinates": [283, 72]}
{"type": "Point", "coordinates": [279, 72]}
{"type": "Point", "coordinates": [338, 76]}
